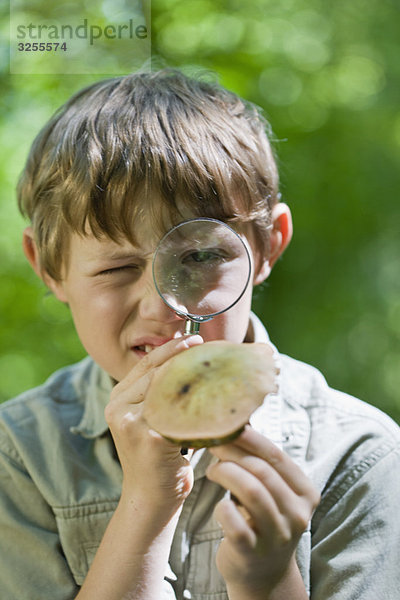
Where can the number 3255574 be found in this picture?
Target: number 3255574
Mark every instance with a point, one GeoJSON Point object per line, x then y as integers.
{"type": "Point", "coordinates": [41, 46]}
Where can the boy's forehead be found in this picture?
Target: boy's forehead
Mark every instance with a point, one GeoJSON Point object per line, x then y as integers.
{"type": "Point", "coordinates": [95, 248]}
{"type": "Point", "coordinates": [145, 232]}
{"type": "Point", "coordinates": [149, 224]}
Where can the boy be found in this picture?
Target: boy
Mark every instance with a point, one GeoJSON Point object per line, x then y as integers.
{"type": "Point", "coordinates": [94, 505]}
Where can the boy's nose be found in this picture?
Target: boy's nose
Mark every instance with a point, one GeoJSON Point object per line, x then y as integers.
{"type": "Point", "coordinates": [152, 307]}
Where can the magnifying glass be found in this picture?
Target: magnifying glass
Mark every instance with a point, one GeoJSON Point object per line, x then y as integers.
{"type": "Point", "coordinates": [201, 268]}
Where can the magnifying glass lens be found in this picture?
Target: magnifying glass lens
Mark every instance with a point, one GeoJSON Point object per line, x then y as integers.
{"type": "Point", "coordinates": [201, 268]}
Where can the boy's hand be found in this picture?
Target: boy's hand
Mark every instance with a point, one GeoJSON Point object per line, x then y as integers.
{"type": "Point", "coordinates": [156, 477]}
{"type": "Point", "coordinates": [275, 501]}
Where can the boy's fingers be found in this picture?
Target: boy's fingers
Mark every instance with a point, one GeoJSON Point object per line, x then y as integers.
{"type": "Point", "coordinates": [160, 354]}
{"type": "Point", "coordinates": [132, 394]}
{"type": "Point", "coordinates": [259, 485]}
{"type": "Point", "coordinates": [270, 503]}
{"type": "Point", "coordinates": [251, 493]}
{"type": "Point", "coordinates": [156, 358]}
{"type": "Point", "coordinates": [253, 444]}
{"type": "Point", "coordinates": [258, 467]}
{"type": "Point", "coordinates": [234, 525]}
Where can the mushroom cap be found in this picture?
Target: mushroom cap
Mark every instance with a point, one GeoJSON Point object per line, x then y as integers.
{"type": "Point", "coordinates": [205, 395]}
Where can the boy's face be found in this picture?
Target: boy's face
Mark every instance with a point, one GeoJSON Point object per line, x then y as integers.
{"type": "Point", "coordinates": [117, 311]}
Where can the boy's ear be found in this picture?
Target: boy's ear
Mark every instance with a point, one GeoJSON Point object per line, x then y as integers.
{"type": "Point", "coordinates": [281, 234]}
{"type": "Point", "coordinates": [32, 254]}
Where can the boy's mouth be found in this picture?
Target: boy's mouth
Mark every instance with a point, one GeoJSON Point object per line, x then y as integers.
{"type": "Point", "coordinates": [145, 348]}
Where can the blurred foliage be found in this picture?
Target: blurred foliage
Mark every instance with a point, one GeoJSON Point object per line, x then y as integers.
{"type": "Point", "coordinates": [327, 75]}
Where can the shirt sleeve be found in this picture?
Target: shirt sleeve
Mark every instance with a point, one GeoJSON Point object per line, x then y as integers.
{"type": "Point", "coordinates": [356, 537]}
{"type": "Point", "coordinates": [32, 563]}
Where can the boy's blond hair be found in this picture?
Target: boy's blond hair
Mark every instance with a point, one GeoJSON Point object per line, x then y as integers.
{"type": "Point", "coordinates": [117, 145]}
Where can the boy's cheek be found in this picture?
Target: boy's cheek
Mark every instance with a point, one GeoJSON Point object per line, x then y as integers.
{"type": "Point", "coordinates": [231, 326]}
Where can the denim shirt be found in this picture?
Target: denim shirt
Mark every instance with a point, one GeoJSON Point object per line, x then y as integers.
{"type": "Point", "coordinates": [60, 483]}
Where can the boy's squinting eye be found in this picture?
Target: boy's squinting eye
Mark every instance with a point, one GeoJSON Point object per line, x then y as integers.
{"type": "Point", "coordinates": [115, 270]}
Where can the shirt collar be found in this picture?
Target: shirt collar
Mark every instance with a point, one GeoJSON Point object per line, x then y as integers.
{"type": "Point", "coordinates": [257, 332]}
{"type": "Point", "coordinates": [267, 419]}
{"type": "Point", "coordinates": [93, 385]}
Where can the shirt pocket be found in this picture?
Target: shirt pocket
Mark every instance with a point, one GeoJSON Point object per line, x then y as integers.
{"type": "Point", "coordinates": [81, 529]}
{"type": "Point", "coordinates": [204, 581]}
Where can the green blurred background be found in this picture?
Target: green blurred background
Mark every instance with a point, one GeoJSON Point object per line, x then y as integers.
{"type": "Point", "coordinates": [327, 75]}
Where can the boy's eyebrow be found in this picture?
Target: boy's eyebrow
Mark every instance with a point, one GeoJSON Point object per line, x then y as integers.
{"type": "Point", "coordinates": [121, 255]}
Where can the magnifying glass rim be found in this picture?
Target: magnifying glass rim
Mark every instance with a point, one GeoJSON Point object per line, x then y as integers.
{"type": "Point", "coordinates": [193, 317]}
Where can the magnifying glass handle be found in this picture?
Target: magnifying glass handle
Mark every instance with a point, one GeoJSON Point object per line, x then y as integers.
{"type": "Point", "coordinates": [191, 327]}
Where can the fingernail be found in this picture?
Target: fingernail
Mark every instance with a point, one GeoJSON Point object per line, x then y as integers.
{"type": "Point", "coordinates": [192, 340]}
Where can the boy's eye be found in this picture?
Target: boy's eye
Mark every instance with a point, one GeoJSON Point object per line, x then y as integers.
{"type": "Point", "coordinates": [204, 257]}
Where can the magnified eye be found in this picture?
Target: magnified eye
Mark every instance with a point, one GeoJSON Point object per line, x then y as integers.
{"type": "Point", "coordinates": [212, 256]}
{"type": "Point", "coordinates": [201, 268]}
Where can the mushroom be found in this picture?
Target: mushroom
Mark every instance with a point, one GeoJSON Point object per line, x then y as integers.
{"type": "Point", "coordinates": [205, 395]}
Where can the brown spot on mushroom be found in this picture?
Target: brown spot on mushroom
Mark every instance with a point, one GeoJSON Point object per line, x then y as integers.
{"type": "Point", "coordinates": [184, 389]}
